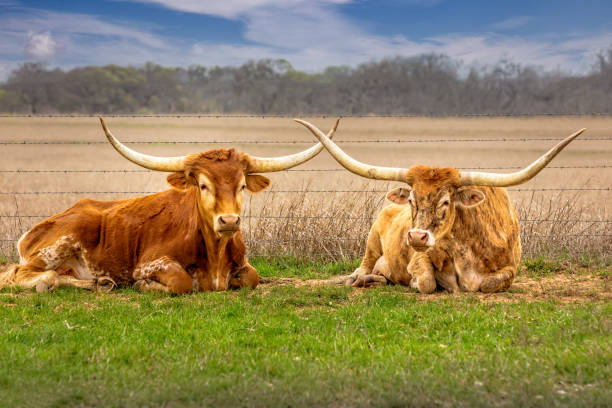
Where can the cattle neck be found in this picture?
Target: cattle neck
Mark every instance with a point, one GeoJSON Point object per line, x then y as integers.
{"type": "Point", "coordinates": [216, 249]}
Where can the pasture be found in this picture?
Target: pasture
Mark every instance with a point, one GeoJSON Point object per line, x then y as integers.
{"type": "Point", "coordinates": [295, 341]}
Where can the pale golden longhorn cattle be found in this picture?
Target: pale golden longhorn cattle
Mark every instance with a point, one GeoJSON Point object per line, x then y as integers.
{"type": "Point", "coordinates": [456, 229]}
{"type": "Point", "coordinates": [182, 239]}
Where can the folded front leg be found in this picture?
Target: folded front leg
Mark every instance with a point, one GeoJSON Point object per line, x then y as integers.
{"type": "Point", "coordinates": [244, 277]}
{"type": "Point", "coordinates": [162, 274]}
{"type": "Point", "coordinates": [422, 272]}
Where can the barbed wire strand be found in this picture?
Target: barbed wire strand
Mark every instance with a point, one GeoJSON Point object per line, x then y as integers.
{"type": "Point", "coordinates": [365, 237]}
{"type": "Point", "coordinates": [296, 115]}
{"type": "Point", "coordinates": [18, 171]}
{"type": "Point", "coordinates": [303, 217]}
{"type": "Point", "coordinates": [293, 142]}
{"type": "Point", "coordinates": [284, 191]}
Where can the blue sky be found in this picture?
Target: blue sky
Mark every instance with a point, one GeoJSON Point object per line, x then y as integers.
{"type": "Point", "coordinates": [311, 34]}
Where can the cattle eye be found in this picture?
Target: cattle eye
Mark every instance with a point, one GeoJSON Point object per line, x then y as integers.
{"type": "Point", "coordinates": [243, 187]}
{"type": "Point", "coordinates": [203, 187]}
{"type": "Point", "coordinates": [444, 203]}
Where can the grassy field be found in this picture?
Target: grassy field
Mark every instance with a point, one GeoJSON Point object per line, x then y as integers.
{"type": "Point", "coordinates": [294, 342]}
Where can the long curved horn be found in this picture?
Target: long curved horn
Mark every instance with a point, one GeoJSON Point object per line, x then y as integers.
{"type": "Point", "coordinates": [268, 165]}
{"type": "Point", "coordinates": [145, 160]}
{"type": "Point", "coordinates": [471, 178]}
{"type": "Point", "coordinates": [352, 165]}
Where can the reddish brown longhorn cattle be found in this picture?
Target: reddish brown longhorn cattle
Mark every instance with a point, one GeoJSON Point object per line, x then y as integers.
{"type": "Point", "coordinates": [183, 239]}
{"type": "Point", "coordinates": [457, 229]}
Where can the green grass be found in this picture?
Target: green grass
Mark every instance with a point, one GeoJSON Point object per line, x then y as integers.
{"type": "Point", "coordinates": [541, 266]}
{"type": "Point", "coordinates": [289, 267]}
{"type": "Point", "coordinates": [308, 346]}
{"type": "Point", "coordinates": [544, 266]}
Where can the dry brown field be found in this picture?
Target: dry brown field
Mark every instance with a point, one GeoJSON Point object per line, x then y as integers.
{"type": "Point", "coordinates": [313, 210]}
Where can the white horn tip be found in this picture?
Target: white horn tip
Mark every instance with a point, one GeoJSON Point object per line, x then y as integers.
{"type": "Point", "coordinates": [103, 124]}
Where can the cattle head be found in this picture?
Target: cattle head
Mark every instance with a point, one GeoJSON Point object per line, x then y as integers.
{"type": "Point", "coordinates": [434, 196]}
{"type": "Point", "coordinates": [433, 193]}
{"type": "Point", "coordinates": [217, 178]}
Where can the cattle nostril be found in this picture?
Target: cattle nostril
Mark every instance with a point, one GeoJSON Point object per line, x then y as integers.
{"type": "Point", "coordinates": [418, 237]}
{"type": "Point", "coordinates": [229, 219]}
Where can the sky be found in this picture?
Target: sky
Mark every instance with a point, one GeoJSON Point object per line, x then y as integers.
{"type": "Point", "coordinates": [311, 34]}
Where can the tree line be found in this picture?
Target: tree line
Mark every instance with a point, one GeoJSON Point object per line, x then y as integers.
{"type": "Point", "coordinates": [422, 85]}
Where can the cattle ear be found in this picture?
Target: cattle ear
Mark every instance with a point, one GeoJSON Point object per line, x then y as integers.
{"type": "Point", "coordinates": [255, 183]}
{"type": "Point", "coordinates": [468, 197]}
{"type": "Point", "coordinates": [177, 180]}
{"type": "Point", "coordinates": [399, 195]}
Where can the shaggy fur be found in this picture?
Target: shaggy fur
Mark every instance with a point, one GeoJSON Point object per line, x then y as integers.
{"type": "Point", "coordinates": [475, 231]}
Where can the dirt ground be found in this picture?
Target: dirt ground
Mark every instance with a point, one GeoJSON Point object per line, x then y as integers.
{"type": "Point", "coordinates": [563, 287]}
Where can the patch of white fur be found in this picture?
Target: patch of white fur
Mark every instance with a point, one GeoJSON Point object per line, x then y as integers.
{"type": "Point", "coordinates": [22, 260]}
{"type": "Point", "coordinates": [54, 255]}
{"type": "Point", "coordinates": [146, 270]}
{"type": "Point", "coordinates": [227, 279]}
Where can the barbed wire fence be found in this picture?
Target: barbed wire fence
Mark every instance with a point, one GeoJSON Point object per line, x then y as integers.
{"type": "Point", "coordinates": [560, 232]}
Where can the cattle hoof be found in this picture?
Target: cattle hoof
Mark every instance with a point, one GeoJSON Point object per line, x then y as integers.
{"type": "Point", "coordinates": [105, 284]}
{"type": "Point", "coordinates": [491, 284]}
{"type": "Point", "coordinates": [42, 287]}
{"type": "Point", "coordinates": [140, 284]}
{"type": "Point", "coordinates": [426, 285]}
{"type": "Point", "coordinates": [350, 281]}
{"type": "Point", "coordinates": [370, 280]}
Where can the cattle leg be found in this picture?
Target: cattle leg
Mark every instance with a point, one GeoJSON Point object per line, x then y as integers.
{"type": "Point", "coordinates": [102, 284]}
{"type": "Point", "coordinates": [41, 269]}
{"type": "Point", "coordinates": [499, 280]}
{"type": "Point", "coordinates": [376, 278]}
{"type": "Point", "coordinates": [162, 275]}
{"type": "Point", "coordinates": [422, 272]}
{"type": "Point", "coordinates": [244, 277]}
{"type": "Point", "coordinates": [29, 276]}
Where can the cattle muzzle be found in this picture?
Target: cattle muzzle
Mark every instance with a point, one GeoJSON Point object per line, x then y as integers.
{"type": "Point", "coordinates": [228, 224]}
{"type": "Point", "coordinates": [420, 240]}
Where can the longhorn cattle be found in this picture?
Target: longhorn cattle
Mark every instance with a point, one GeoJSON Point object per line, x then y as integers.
{"type": "Point", "coordinates": [182, 239]}
{"type": "Point", "coordinates": [453, 228]}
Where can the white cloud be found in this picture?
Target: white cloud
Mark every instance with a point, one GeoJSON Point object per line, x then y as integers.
{"type": "Point", "coordinates": [511, 23]}
{"type": "Point", "coordinates": [40, 46]}
{"type": "Point", "coordinates": [311, 36]}
{"type": "Point", "coordinates": [233, 8]}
